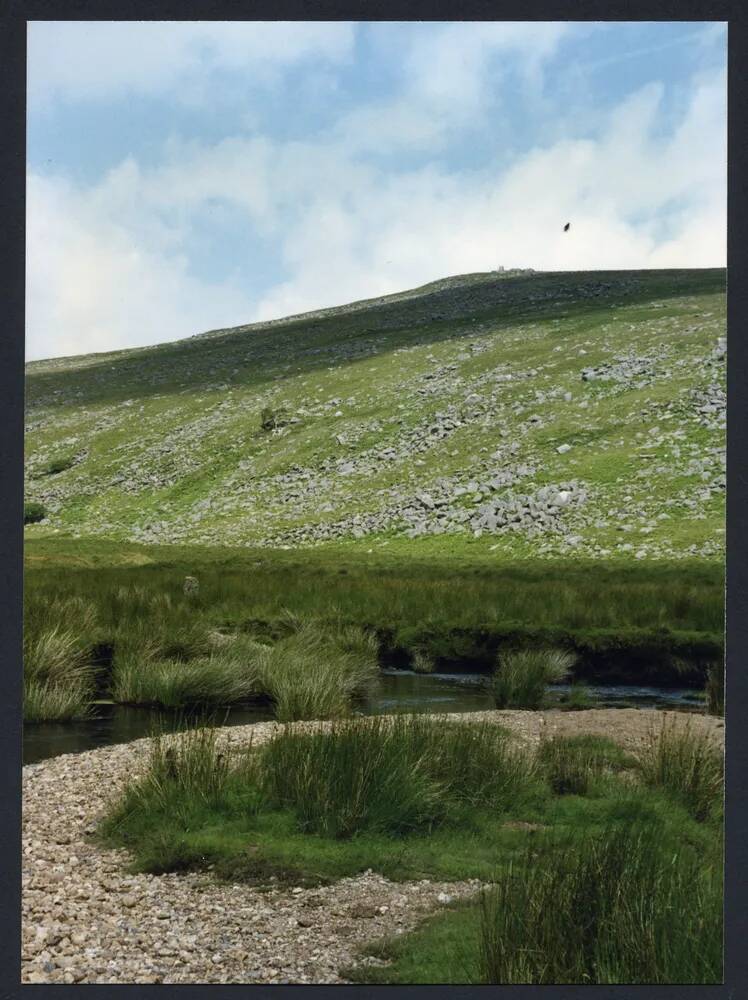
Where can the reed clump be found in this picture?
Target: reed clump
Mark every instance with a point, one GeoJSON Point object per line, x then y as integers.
{"type": "Point", "coordinates": [318, 669]}
{"type": "Point", "coordinates": [522, 677]}
{"type": "Point", "coordinates": [607, 908]}
{"type": "Point", "coordinates": [572, 763]}
{"type": "Point", "coordinates": [686, 765]}
{"type": "Point", "coordinates": [57, 673]}
{"type": "Point", "coordinates": [715, 688]}
{"type": "Point", "coordinates": [393, 775]}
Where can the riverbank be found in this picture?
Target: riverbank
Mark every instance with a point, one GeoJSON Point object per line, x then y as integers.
{"type": "Point", "coordinates": [85, 919]}
{"type": "Point", "coordinates": [626, 621]}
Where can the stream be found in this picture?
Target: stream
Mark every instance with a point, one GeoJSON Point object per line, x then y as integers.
{"type": "Point", "coordinates": [399, 690]}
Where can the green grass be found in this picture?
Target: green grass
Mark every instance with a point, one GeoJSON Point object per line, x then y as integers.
{"type": "Point", "coordinates": [579, 697]}
{"type": "Point", "coordinates": [617, 883]}
{"type": "Point", "coordinates": [616, 618]}
{"type": "Point", "coordinates": [127, 603]}
{"type": "Point", "coordinates": [33, 512]}
{"type": "Point", "coordinates": [318, 670]}
{"type": "Point", "coordinates": [606, 909]}
{"type": "Point", "coordinates": [328, 804]}
{"type": "Point", "coordinates": [314, 671]}
{"type": "Point", "coordinates": [219, 679]}
{"type": "Point", "coordinates": [399, 586]}
{"type": "Point", "coordinates": [610, 908]}
{"type": "Point", "coordinates": [571, 764]}
{"type": "Point", "coordinates": [406, 795]}
{"type": "Point", "coordinates": [404, 800]}
{"type": "Point", "coordinates": [606, 880]}
{"type": "Point", "coordinates": [687, 766]}
{"type": "Point", "coordinates": [522, 677]}
{"type": "Point", "coordinates": [58, 678]}
{"type": "Point", "coordinates": [390, 775]}
{"type": "Point", "coordinates": [58, 463]}
{"type": "Point", "coordinates": [49, 701]}
{"type": "Point", "coordinates": [442, 949]}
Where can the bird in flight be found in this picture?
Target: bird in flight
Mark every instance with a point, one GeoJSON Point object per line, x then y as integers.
{"type": "Point", "coordinates": [567, 227]}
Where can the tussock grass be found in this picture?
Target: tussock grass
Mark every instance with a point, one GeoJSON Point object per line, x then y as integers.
{"type": "Point", "coordinates": [186, 773]}
{"type": "Point", "coordinates": [318, 802]}
{"type": "Point", "coordinates": [189, 765]}
{"type": "Point", "coordinates": [715, 688]}
{"type": "Point", "coordinates": [58, 679]}
{"type": "Point", "coordinates": [318, 669]}
{"type": "Point", "coordinates": [393, 591]}
{"type": "Point", "coordinates": [611, 908]}
{"type": "Point", "coordinates": [157, 626]}
{"type": "Point", "coordinates": [578, 698]}
{"type": "Point", "coordinates": [49, 701]}
{"type": "Point", "coordinates": [33, 512]}
{"type": "Point", "coordinates": [53, 654]}
{"type": "Point", "coordinates": [219, 679]}
{"type": "Point", "coordinates": [423, 663]}
{"type": "Point", "coordinates": [572, 763]}
{"type": "Point", "coordinates": [58, 463]}
{"type": "Point", "coordinates": [314, 670]}
{"type": "Point", "coordinates": [74, 617]}
{"type": "Point", "coordinates": [394, 775]}
{"type": "Point", "coordinates": [522, 676]}
{"type": "Point", "coordinates": [164, 654]}
{"type": "Point", "coordinates": [686, 765]}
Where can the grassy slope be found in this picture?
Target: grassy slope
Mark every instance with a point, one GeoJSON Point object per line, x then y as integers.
{"type": "Point", "coordinates": [168, 446]}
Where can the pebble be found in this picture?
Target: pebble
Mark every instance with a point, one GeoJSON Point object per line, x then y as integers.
{"type": "Point", "coordinates": [186, 928]}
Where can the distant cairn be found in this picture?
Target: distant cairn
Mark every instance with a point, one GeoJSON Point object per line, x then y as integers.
{"type": "Point", "coordinates": [514, 272]}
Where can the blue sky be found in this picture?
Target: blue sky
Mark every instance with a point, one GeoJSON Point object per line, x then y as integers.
{"type": "Point", "coordinates": [186, 176]}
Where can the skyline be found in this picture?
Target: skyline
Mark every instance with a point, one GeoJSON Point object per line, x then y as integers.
{"type": "Point", "coordinates": [189, 176]}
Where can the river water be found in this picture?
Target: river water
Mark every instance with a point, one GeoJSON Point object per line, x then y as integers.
{"type": "Point", "coordinates": [399, 691]}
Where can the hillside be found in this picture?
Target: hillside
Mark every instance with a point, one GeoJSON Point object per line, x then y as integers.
{"type": "Point", "coordinates": [530, 414]}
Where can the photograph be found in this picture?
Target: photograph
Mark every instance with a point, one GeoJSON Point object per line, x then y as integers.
{"type": "Point", "coordinates": [374, 496]}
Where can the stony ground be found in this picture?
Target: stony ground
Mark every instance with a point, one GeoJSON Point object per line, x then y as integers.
{"type": "Point", "coordinates": [85, 919]}
{"type": "Point", "coordinates": [538, 414]}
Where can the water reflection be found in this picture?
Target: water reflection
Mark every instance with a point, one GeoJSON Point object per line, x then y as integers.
{"type": "Point", "coordinates": [399, 690]}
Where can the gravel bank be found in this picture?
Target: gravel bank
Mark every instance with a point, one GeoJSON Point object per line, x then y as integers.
{"type": "Point", "coordinates": [85, 919]}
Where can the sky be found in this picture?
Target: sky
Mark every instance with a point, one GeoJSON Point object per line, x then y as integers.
{"type": "Point", "coordinates": [189, 176]}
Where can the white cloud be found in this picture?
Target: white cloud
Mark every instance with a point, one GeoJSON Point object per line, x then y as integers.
{"type": "Point", "coordinates": [101, 60]}
{"type": "Point", "coordinates": [92, 285]}
{"type": "Point", "coordinates": [621, 192]}
{"type": "Point", "coordinates": [107, 266]}
{"type": "Point", "coordinates": [445, 82]}
{"type": "Point", "coordinates": [447, 68]}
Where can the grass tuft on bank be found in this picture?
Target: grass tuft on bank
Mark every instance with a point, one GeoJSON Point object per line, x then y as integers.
{"type": "Point", "coordinates": [318, 669]}
{"type": "Point", "coordinates": [687, 767]}
{"type": "Point", "coordinates": [57, 674]}
{"type": "Point", "coordinates": [522, 677]}
{"type": "Point", "coordinates": [609, 908]}
{"type": "Point", "coordinates": [393, 775]}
